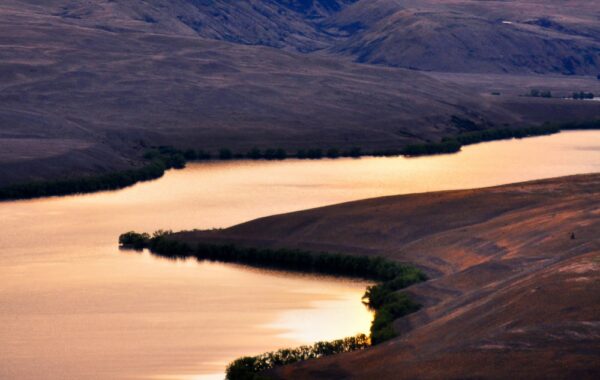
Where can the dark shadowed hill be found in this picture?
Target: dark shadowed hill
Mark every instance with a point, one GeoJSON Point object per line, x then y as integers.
{"type": "Point", "coordinates": [290, 24]}
{"type": "Point", "coordinates": [121, 90]}
{"type": "Point", "coordinates": [86, 85]}
{"type": "Point", "coordinates": [515, 36]}
{"type": "Point", "coordinates": [515, 288]}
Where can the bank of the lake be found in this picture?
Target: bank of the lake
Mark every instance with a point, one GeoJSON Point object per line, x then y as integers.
{"type": "Point", "coordinates": [156, 318]}
{"type": "Point", "coordinates": [160, 159]}
{"type": "Point", "coordinates": [383, 298]}
{"type": "Point", "coordinates": [512, 266]}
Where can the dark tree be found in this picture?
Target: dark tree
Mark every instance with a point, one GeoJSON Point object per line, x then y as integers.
{"type": "Point", "coordinates": [202, 155]}
{"type": "Point", "coordinates": [280, 154]}
{"type": "Point", "coordinates": [333, 153]}
{"type": "Point", "coordinates": [190, 155]}
{"type": "Point", "coordinates": [254, 154]}
{"type": "Point", "coordinates": [355, 152]}
{"type": "Point", "coordinates": [301, 154]}
{"type": "Point", "coordinates": [225, 154]}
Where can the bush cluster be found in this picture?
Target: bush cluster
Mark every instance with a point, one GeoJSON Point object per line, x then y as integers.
{"type": "Point", "coordinates": [196, 155]}
{"type": "Point", "coordinates": [249, 367]}
{"type": "Point", "coordinates": [583, 95]}
{"type": "Point", "coordinates": [389, 305]}
{"type": "Point", "coordinates": [169, 156]}
{"type": "Point", "coordinates": [472, 134]}
{"type": "Point", "coordinates": [314, 154]}
{"type": "Point", "coordinates": [158, 161]}
{"type": "Point", "coordinates": [454, 144]}
{"type": "Point", "coordinates": [367, 267]}
{"type": "Point", "coordinates": [134, 240]}
{"type": "Point", "coordinates": [503, 133]}
{"type": "Point", "coordinates": [111, 181]}
{"type": "Point", "coordinates": [256, 153]}
{"type": "Point", "coordinates": [540, 93]}
{"type": "Point", "coordinates": [267, 154]}
{"type": "Point", "coordinates": [447, 146]}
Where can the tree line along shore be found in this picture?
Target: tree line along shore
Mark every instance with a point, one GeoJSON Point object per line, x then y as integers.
{"type": "Point", "coordinates": [157, 160]}
{"type": "Point", "coordinates": [383, 298]}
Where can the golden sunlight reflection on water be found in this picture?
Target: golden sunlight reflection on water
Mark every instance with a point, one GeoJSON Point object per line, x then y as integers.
{"type": "Point", "coordinates": [73, 306]}
{"type": "Point", "coordinates": [313, 324]}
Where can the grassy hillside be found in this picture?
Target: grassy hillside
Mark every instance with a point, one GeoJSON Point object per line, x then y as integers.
{"type": "Point", "coordinates": [515, 36]}
{"type": "Point", "coordinates": [514, 288]}
{"type": "Point", "coordinates": [88, 86]}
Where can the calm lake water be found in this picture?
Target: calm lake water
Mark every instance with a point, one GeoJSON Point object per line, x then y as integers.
{"type": "Point", "coordinates": [73, 306]}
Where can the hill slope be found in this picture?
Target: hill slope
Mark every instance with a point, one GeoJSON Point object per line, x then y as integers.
{"type": "Point", "coordinates": [515, 36]}
{"type": "Point", "coordinates": [512, 293]}
{"type": "Point", "coordinates": [86, 85]}
{"type": "Point", "coordinates": [114, 91]}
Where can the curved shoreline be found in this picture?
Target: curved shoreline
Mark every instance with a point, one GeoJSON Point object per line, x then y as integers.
{"type": "Point", "coordinates": [383, 298]}
{"type": "Point", "coordinates": [493, 267]}
{"type": "Point", "coordinates": [161, 159]}
{"type": "Point", "coordinates": [503, 261]}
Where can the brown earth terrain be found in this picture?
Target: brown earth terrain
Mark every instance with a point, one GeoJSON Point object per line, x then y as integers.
{"type": "Point", "coordinates": [511, 36]}
{"type": "Point", "coordinates": [514, 288]}
{"type": "Point", "coordinates": [90, 84]}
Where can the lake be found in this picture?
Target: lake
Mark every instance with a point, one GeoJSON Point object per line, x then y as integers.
{"type": "Point", "coordinates": [72, 305]}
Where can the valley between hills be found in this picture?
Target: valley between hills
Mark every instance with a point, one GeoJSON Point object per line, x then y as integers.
{"type": "Point", "coordinates": [88, 87]}
{"type": "Point", "coordinates": [491, 282]}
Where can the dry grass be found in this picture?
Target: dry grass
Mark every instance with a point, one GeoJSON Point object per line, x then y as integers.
{"type": "Point", "coordinates": [512, 294]}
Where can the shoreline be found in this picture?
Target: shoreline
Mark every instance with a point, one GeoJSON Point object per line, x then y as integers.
{"type": "Point", "coordinates": [383, 298]}
{"type": "Point", "coordinates": [161, 159]}
{"type": "Point", "coordinates": [513, 250]}
{"type": "Point", "coordinates": [492, 264]}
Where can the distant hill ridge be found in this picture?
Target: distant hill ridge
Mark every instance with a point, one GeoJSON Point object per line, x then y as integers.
{"type": "Point", "coordinates": [86, 86]}
{"type": "Point", "coordinates": [514, 36]}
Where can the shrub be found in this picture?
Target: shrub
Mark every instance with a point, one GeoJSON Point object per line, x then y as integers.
{"type": "Point", "coordinates": [446, 146]}
{"type": "Point", "coordinates": [353, 152]}
{"type": "Point", "coordinates": [134, 240]}
{"type": "Point", "coordinates": [225, 154]}
{"type": "Point", "coordinates": [203, 155]}
{"type": "Point", "coordinates": [280, 154]}
{"type": "Point", "coordinates": [540, 93]}
{"type": "Point", "coordinates": [394, 306]}
{"type": "Point", "coordinates": [333, 153]}
{"type": "Point", "coordinates": [254, 154]}
{"type": "Point", "coordinates": [190, 155]}
{"type": "Point", "coordinates": [309, 154]}
{"type": "Point", "coordinates": [275, 154]}
{"type": "Point", "coordinates": [314, 154]}
{"type": "Point", "coordinates": [176, 161]}
{"type": "Point", "coordinates": [248, 368]}
{"type": "Point", "coordinates": [112, 181]}
{"type": "Point", "coordinates": [583, 95]}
